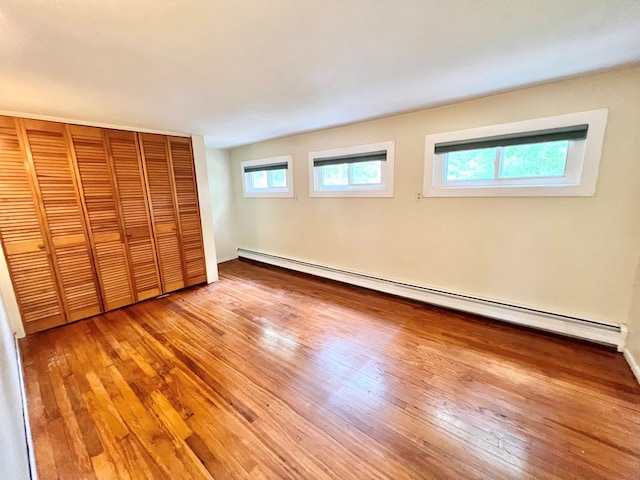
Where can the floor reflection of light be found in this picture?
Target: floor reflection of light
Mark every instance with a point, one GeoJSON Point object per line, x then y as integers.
{"type": "Point", "coordinates": [490, 446]}
{"type": "Point", "coordinates": [369, 384]}
{"type": "Point", "coordinates": [358, 378]}
{"type": "Point", "coordinates": [278, 342]}
{"type": "Point", "coordinates": [333, 357]}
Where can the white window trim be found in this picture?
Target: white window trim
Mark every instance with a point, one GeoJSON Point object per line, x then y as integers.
{"type": "Point", "coordinates": [286, 192]}
{"type": "Point", "coordinates": [580, 177]}
{"type": "Point", "coordinates": [384, 189]}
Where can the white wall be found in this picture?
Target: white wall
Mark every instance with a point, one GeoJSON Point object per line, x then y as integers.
{"type": "Point", "coordinates": [9, 299]}
{"type": "Point", "coordinates": [572, 256]}
{"type": "Point", "coordinates": [223, 204]}
{"type": "Point", "coordinates": [633, 340]}
{"type": "Point", "coordinates": [14, 463]}
{"type": "Point", "coordinates": [206, 207]}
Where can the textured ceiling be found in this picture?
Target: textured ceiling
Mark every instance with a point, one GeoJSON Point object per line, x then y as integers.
{"type": "Point", "coordinates": [240, 71]}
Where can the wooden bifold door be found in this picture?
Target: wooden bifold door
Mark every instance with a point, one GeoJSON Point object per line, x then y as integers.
{"type": "Point", "coordinates": [24, 236]}
{"type": "Point", "coordinates": [134, 207]}
{"type": "Point", "coordinates": [105, 227]}
{"type": "Point", "coordinates": [62, 215]}
{"type": "Point", "coordinates": [93, 219]}
{"type": "Point", "coordinates": [188, 212]}
{"type": "Point", "coordinates": [162, 196]}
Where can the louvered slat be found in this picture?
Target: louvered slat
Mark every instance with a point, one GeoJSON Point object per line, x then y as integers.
{"type": "Point", "coordinates": [155, 155]}
{"type": "Point", "coordinates": [25, 245]}
{"type": "Point", "coordinates": [48, 146]}
{"type": "Point", "coordinates": [123, 149]}
{"type": "Point", "coordinates": [104, 223]}
{"type": "Point", "coordinates": [188, 211]}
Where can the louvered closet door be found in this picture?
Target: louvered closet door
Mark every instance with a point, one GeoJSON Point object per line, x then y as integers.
{"type": "Point", "coordinates": [23, 238]}
{"type": "Point", "coordinates": [125, 158]}
{"type": "Point", "coordinates": [101, 203]}
{"type": "Point", "coordinates": [48, 145]}
{"type": "Point", "coordinates": [188, 209]}
{"type": "Point", "coordinates": [155, 154]}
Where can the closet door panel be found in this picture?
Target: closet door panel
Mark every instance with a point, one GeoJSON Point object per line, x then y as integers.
{"type": "Point", "coordinates": [188, 210]}
{"type": "Point", "coordinates": [123, 150]}
{"type": "Point", "coordinates": [101, 203]}
{"type": "Point", "coordinates": [22, 235]}
{"type": "Point", "coordinates": [159, 176]}
{"type": "Point", "coordinates": [48, 148]}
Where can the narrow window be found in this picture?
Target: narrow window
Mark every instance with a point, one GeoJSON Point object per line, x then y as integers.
{"type": "Point", "coordinates": [268, 177]}
{"type": "Point", "coordinates": [362, 171]}
{"type": "Point", "coordinates": [553, 156]}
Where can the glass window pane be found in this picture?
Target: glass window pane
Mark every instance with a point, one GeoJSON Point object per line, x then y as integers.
{"type": "Point", "coordinates": [278, 178]}
{"type": "Point", "coordinates": [470, 164]}
{"type": "Point", "coordinates": [334, 175]}
{"type": "Point", "coordinates": [366, 173]}
{"type": "Point", "coordinates": [535, 160]}
{"type": "Point", "coordinates": [258, 179]}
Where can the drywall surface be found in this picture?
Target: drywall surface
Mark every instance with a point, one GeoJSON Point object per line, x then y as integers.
{"type": "Point", "coordinates": [206, 207]}
{"type": "Point", "coordinates": [14, 463]}
{"type": "Point", "coordinates": [574, 256]}
{"type": "Point", "coordinates": [10, 304]}
{"type": "Point", "coordinates": [223, 204]}
{"type": "Point", "coordinates": [633, 339]}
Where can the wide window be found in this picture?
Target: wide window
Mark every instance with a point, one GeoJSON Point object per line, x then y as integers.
{"type": "Point", "coordinates": [362, 171]}
{"type": "Point", "coordinates": [268, 177]}
{"type": "Point", "coordinates": [553, 156]}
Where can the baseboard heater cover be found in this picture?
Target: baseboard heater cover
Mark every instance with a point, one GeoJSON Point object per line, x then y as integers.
{"type": "Point", "coordinates": [585, 329]}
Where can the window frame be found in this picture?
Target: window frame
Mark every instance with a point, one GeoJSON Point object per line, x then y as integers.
{"type": "Point", "coordinates": [383, 189]}
{"type": "Point", "coordinates": [581, 168]}
{"type": "Point", "coordinates": [270, 192]}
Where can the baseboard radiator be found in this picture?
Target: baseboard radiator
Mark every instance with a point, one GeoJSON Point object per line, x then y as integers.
{"type": "Point", "coordinates": [594, 331]}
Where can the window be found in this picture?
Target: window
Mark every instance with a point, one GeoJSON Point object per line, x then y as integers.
{"type": "Point", "coordinates": [359, 171]}
{"type": "Point", "coordinates": [552, 156]}
{"type": "Point", "coordinates": [268, 177]}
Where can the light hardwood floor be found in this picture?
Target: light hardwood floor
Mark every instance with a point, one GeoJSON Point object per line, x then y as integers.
{"type": "Point", "coordinates": [271, 374]}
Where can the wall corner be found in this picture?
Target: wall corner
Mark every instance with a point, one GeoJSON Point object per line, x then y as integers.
{"type": "Point", "coordinates": [8, 298]}
{"type": "Point", "coordinates": [206, 208]}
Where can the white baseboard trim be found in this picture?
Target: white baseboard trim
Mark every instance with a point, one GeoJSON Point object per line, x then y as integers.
{"type": "Point", "coordinates": [591, 330]}
{"type": "Point", "coordinates": [25, 415]}
{"type": "Point", "coordinates": [635, 368]}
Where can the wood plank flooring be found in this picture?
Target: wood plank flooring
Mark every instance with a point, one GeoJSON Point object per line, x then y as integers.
{"type": "Point", "coordinates": [269, 374]}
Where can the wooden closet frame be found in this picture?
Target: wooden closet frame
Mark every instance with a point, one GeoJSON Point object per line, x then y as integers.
{"type": "Point", "coordinates": [48, 244]}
